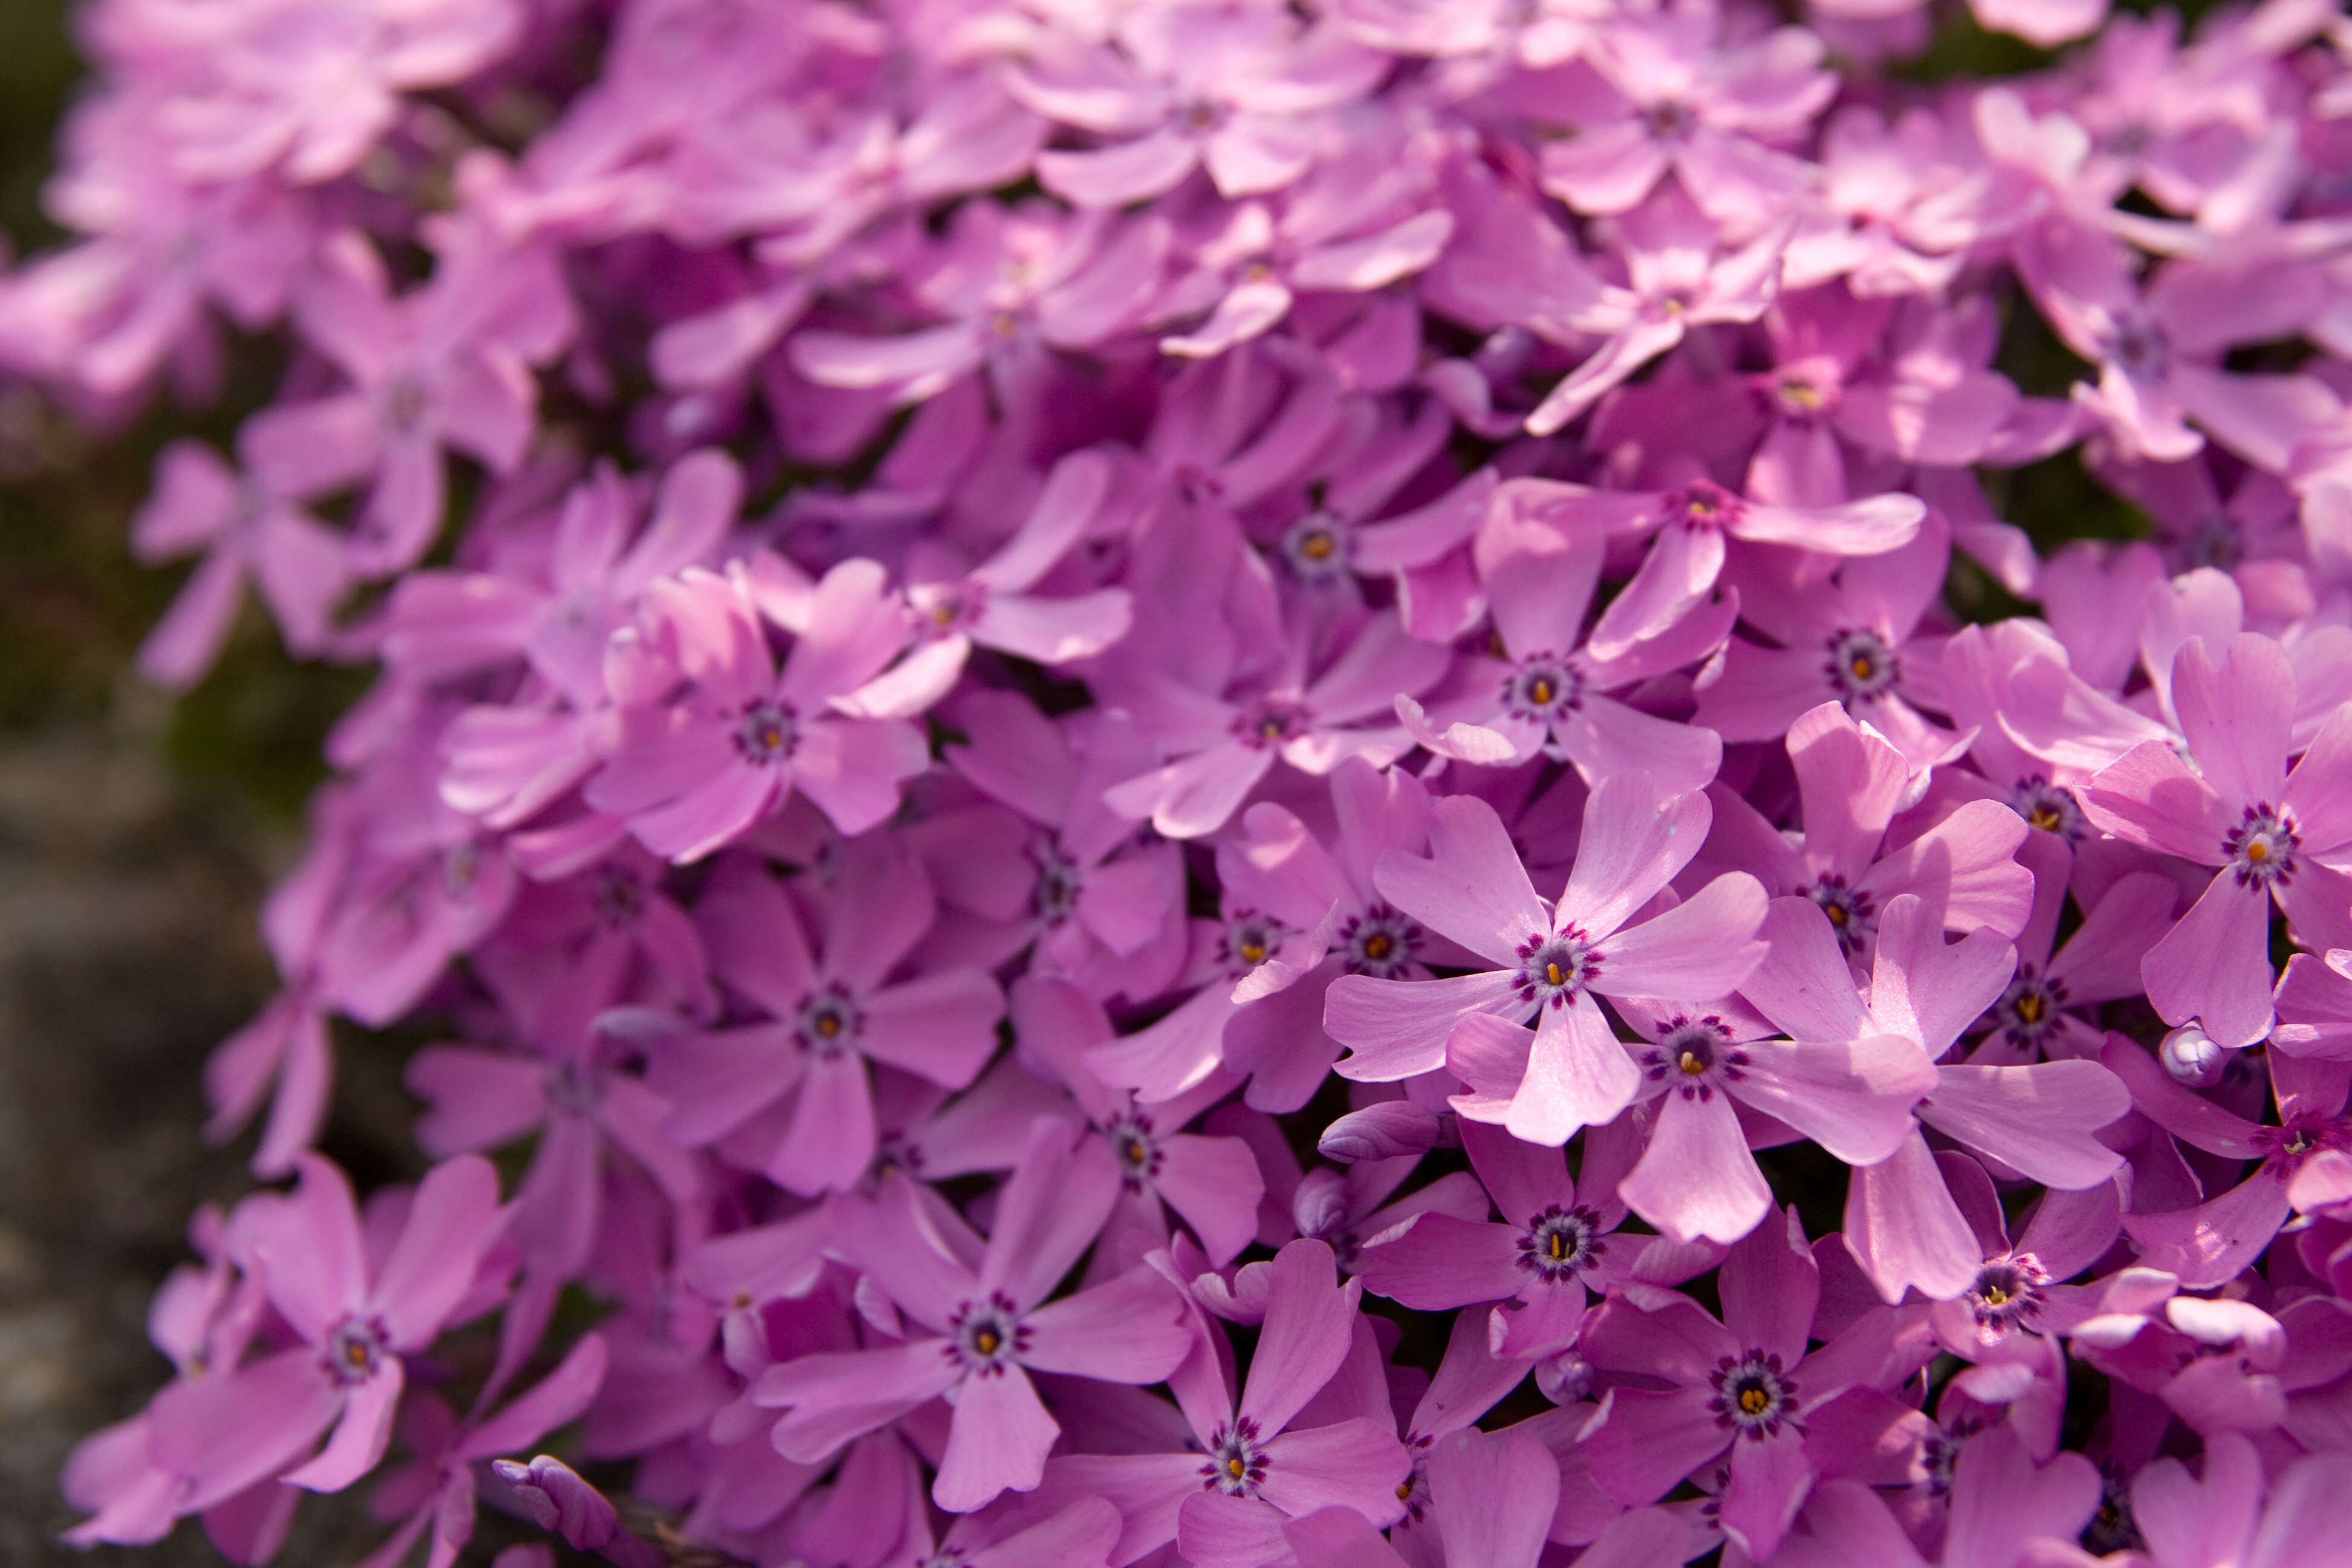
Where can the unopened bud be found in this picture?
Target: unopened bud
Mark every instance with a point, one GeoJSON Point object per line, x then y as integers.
{"type": "Point", "coordinates": [1381, 1131]}
{"type": "Point", "coordinates": [1564, 1378]}
{"type": "Point", "coordinates": [1320, 1207]}
{"type": "Point", "coordinates": [2189, 1055]}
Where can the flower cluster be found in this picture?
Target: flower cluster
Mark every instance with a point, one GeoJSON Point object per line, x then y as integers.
{"type": "Point", "coordinates": [1176, 781]}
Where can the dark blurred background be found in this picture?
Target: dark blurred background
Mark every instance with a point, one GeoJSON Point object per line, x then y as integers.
{"type": "Point", "coordinates": [137, 835]}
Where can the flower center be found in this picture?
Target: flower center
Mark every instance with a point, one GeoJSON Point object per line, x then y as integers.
{"type": "Point", "coordinates": [1553, 970]}
{"type": "Point", "coordinates": [1236, 1460]}
{"type": "Point", "coordinates": [1543, 689]}
{"type": "Point", "coordinates": [1752, 1395]}
{"type": "Point", "coordinates": [1055, 896]}
{"type": "Point", "coordinates": [355, 1348]}
{"type": "Point", "coordinates": [943, 609]}
{"type": "Point", "coordinates": [2262, 848]}
{"type": "Point", "coordinates": [2048, 807]}
{"type": "Point", "coordinates": [1694, 1057]}
{"type": "Point", "coordinates": [1250, 939]}
{"type": "Point", "coordinates": [1861, 664]}
{"type": "Point", "coordinates": [767, 733]}
{"type": "Point", "coordinates": [618, 897]}
{"type": "Point", "coordinates": [1852, 913]}
{"type": "Point", "coordinates": [2029, 1009]}
{"type": "Point", "coordinates": [1380, 942]}
{"type": "Point", "coordinates": [2007, 1292]}
{"type": "Point", "coordinates": [1560, 1243]}
{"type": "Point", "coordinates": [829, 1022]}
{"type": "Point", "coordinates": [1315, 549]}
{"type": "Point", "coordinates": [987, 1336]}
{"type": "Point", "coordinates": [2141, 349]}
{"type": "Point", "coordinates": [1137, 1151]}
{"type": "Point", "coordinates": [1667, 120]}
{"type": "Point", "coordinates": [1702, 505]}
{"type": "Point", "coordinates": [1272, 721]}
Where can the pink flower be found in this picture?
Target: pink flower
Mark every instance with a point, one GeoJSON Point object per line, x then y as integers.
{"type": "Point", "coordinates": [988, 1324]}
{"type": "Point", "coordinates": [1552, 966]}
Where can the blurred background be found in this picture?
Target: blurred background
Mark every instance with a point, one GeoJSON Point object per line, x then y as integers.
{"type": "Point", "coordinates": [137, 835]}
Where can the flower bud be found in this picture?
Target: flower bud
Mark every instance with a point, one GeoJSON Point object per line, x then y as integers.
{"type": "Point", "coordinates": [1564, 1378]}
{"type": "Point", "coordinates": [1381, 1131]}
{"type": "Point", "coordinates": [2189, 1055]}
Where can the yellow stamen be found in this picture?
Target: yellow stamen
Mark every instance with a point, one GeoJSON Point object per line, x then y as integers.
{"type": "Point", "coordinates": [1753, 1400]}
{"type": "Point", "coordinates": [1691, 1064]}
{"type": "Point", "coordinates": [1551, 973]}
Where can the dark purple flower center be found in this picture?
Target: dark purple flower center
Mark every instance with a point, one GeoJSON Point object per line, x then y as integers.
{"type": "Point", "coordinates": [1543, 689]}
{"type": "Point", "coordinates": [1702, 505]}
{"type": "Point", "coordinates": [2141, 350]}
{"type": "Point", "coordinates": [943, 609]}
{"type": "Point", "coordinates": [986, 1337]}
{"type": "Point", "coordinates": [2029, 1009]}
{"type": "Point", "coordinates": [1136, 1150]}
{"type": "Point", "coordinates": [1380, 942]}
{"type": "Point", "coordinates": [618, 897]}
{"type": "Point", "coordinates": [1236, 1461]}
{"type": "Point", "coordinates": [1694, 1057]}
{"type": "Point", "coordinates": [574, 1087]}
{"type": "Point", "coordinates": [2262, 850]}
{"type": "Point", "coordinates": [1055, 896]}
{"type": "Point", "coordinates": [1752, 1395]}
{"type": "Point", "coordinates": [1270, 721]}
{"type": "Point", "coordinates": [1560, 1243]}
{"type": "Point", "coordinates": [767, 733]}
{"type": "Point", "coordinates": [830, 1022]}
{"type": "Point", "coordinates": [1668, 120]}
{"type": "Point", "coordinates": [2048, 807]}
{"type": "Point", "coordinates": [1860, 663]}
{"type": "Point", "coordinates": [1852, 913]}
{"type": "Point", "coordinates": [1250, 939]}
{"type": "Point", "coordinates": [355, 1348]}
{"type": "Point", "coordinates": [1554, 969]}
{"type": "Point", "coordinates": [2007, 1292]}
{"type": "Point", "coordinates": [1315, 548]}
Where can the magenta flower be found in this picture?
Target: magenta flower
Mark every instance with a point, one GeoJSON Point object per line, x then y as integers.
{"type": "Point", "coordinates": [1104, 902]}
{"type": "Point", "coordinates": [690, 773]}
{"type": "Point", "coordinates": [826, 1018]}
{"type": "Point", "coordinates": [1537, 1263]}
{"type": "Point", "coordinates": [447, 366]}
{"type": "Point", "coordinates": [1246, 1471]}
{"type": "Point", "coordinates": [1541, 687]}
{"type": "Point", "coordinates": [2039, 1017]}
{"type": "Point", "coordinates": [1744, 1385]}
{"type": "Point", "coordinates": [1852, 640]}
{"type": "Point", "coordinates": [1237, 93]}
{"type": "Point", "coordinates": [2276, 837]}
{"type": "Point", "coordinates": [1492, 1495]}
{"type": "Point", "coordinates": [2006, 1514]}
{"type": "Point", "coordinates": [1677, 99]}
{"type": "Point", "coordinates": [989, 1325]}
{"type": "Point", "coordinates": [2234, 1513]}
{"type": "Point", "coordinates": [297, 564]}
{"type": "Point", "coordinates": [992, 605]}
{"type": "Point", "coordinates": [1680, 275]}
{"type": "Point", "coordinates": [1849, 782]}
{"type": "Point", "coordinates": [1225, 743]}
{"type": "Point", "coordinates": [1697, 1178]}
{"type": "Point", "coordinates": [1902, 1223]}
{"type": "Point", "coordinates": [2208, 1242]}
{"type": "Point", "coordinates": [353, 1318]}
{"type": "Point", "coordinates": [1552, 966]}
{"type": "Point", "coordinates": [1211, 1183]}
